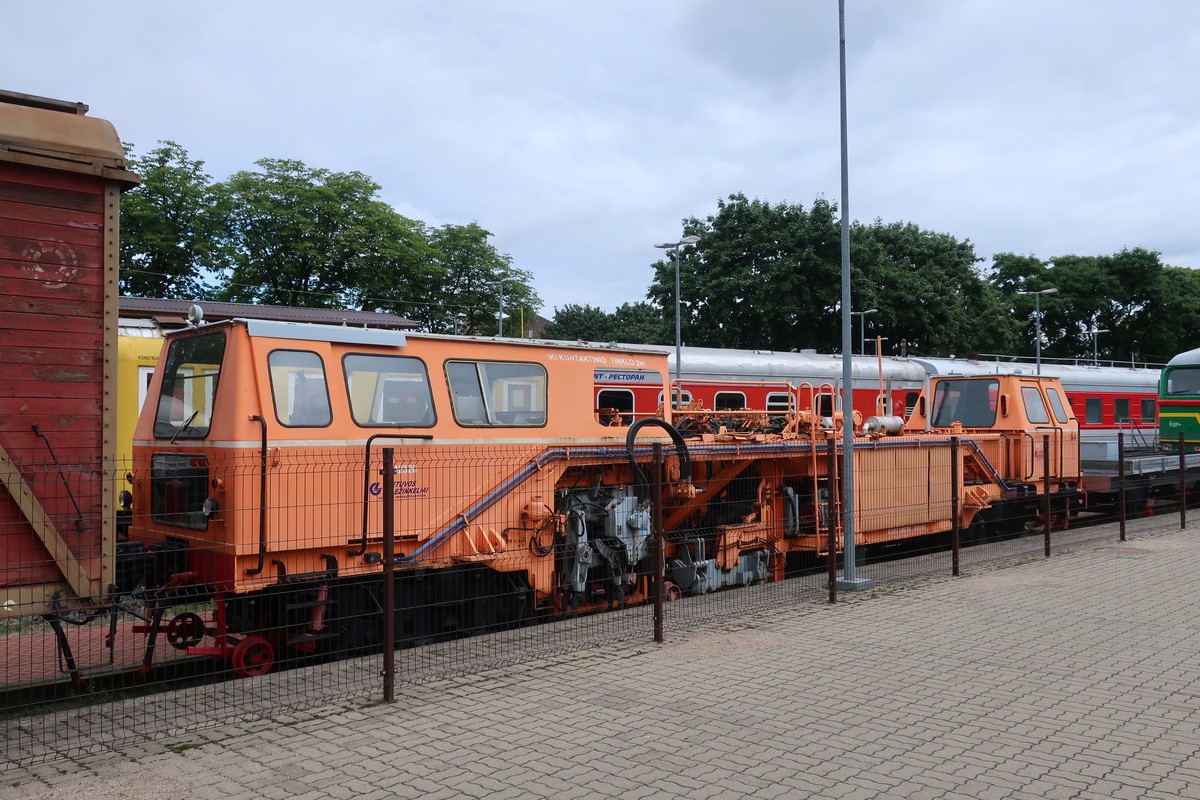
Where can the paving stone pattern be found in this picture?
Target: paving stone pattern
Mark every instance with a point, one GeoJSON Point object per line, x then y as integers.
{"type": "Point", "coordinates": [1073, 677]}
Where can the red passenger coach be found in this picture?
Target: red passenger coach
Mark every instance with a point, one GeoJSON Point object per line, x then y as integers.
{"type": "Point", "coordinates": [61, 177]}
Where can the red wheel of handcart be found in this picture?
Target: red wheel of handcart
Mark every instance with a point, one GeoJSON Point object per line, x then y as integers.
{"type": "Point", "coordinates": [185, 630]}
{"type": "Point", "coordinates": [672, 592]}
{"type": "Point", "coordinates": [252, 657]}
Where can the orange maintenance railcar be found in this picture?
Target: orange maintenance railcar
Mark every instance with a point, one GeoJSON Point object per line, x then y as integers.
{"type": "Point", "coordinates": [257, 478]}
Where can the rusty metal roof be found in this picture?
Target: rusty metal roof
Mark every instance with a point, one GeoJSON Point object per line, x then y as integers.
{"type": "Point", "coordinates": [43, 132]}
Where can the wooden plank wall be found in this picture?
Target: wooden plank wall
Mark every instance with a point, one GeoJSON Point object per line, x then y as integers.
{"type": "Point", "coordinates": [53, 287]}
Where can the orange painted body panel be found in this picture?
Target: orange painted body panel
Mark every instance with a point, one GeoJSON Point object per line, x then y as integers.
{"type": "Point", "coordinates": [540, 480]}
{"type": "Point", "coordinates": [460, 490]}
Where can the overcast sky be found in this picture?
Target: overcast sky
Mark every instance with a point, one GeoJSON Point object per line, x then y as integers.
{"type": "Point", "coordinates": [580, 134]}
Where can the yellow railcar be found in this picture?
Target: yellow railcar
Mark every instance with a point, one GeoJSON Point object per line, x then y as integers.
{"type": "Point", "coordinates": [139, 342]}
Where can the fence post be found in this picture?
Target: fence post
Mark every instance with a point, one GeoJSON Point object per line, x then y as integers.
{"type": "Point", "coordinates": [1182, 485]}
{"type": "Point", "coordinates": [656, 496]}
{"type": "Point", "coordinates": [389, 576]}
{"type": "Point", "coordinates": [1046, 484]}
{"type": "Point", "coordinates": [1121, 480]}
{"type": "Point", "coordinates": [833, 517]}
{"type": "Point", "coordinates": [954, 504]}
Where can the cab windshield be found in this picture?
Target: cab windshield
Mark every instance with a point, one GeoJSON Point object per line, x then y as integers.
{"type": "Point", "coordinates": [189, 384]}
{"type": "Point", "coordinates": [1181, 381]}
{"type": "Point", "coordinates": [971, 403]}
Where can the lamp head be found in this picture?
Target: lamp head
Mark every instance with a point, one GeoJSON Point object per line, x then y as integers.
{"type": "Point", "coordinates": [672, 245]}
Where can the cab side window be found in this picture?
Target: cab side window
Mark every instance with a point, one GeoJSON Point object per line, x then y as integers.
{"type": "Point", "coordinates": [389, 391]}
{"type": "Point", "coordinates": [298, 389]}
{"type": "Point", "coordinates": [1035, 407]}
{"type": "Point", "coordinates": [497, 393]}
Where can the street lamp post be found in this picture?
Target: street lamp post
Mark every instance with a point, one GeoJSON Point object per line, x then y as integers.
{"type": "Point", "coordinates": [1095, 332]}
{"type": "Point", "coordinates": [458, 321]}
{"type": "Point", "coordinates": [674, 248]}
{"type": "Point", "coordinates": [862, 328]}
{"type": "Point", "coordinates": [500, 317]}
{"type": "Point", "coordinates": [1037, 302]}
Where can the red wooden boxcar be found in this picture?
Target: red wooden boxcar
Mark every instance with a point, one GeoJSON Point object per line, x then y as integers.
{"type": "Point", "coordinates": [61, 178]}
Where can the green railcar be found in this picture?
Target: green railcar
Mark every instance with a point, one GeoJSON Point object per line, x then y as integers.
{"type": "Point", "coordinates": [1179, 403]}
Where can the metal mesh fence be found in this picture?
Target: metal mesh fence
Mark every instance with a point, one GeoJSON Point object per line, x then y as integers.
{"type": "Point", "coordinates": [272, 600]}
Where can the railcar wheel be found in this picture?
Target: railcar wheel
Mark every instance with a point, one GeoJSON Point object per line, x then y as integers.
{"type": "Point", "coordinates": [252, 657]}
{"type": "Point", "coordinates": [185, 630]}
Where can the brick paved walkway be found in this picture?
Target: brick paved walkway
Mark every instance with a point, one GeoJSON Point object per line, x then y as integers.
{"type": "Point", "coordinates": [1076, 677]}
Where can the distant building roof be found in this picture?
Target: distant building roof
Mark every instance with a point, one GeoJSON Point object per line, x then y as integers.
{"type": "Point", "coordinates": [174, 312]}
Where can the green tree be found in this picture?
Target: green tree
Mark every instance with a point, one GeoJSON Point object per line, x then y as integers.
{"type": "Point", "coordinates": [470, 269]}
{"type": "Point", "coordinates": [169, 228]}
{"type": "Point", "coordinates": [631, 323]}
{"type": "Point", "coordinates": [641, 323]}
{"type": "Point", "coordinates": [927, 290]}
{"type": "Point", "coordinates": [586, 323]}
{"type": "Point", "coordinates": [1167, 325]}
{"type": "Point", "coordinates": [1111, 293]}
{"type": "Point", "coordinates": [1119, 298]}
{"type": "Point", "coordinates": [300, 236]}
{"type": "Point", "coordinates": [769, 276]}
{"type": "Point", "coordinates": [762, 275]}
{"type": "Point", "coordinates": [1012, 274]}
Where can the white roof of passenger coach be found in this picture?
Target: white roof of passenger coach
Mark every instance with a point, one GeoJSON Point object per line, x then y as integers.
{"type": "Point", "coordinates": [771, 365]}
{"type": "Point", "coordinates": [1074, 377]}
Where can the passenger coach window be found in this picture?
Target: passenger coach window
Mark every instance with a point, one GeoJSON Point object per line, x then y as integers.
{"type": "Point", "coordinates": [298, 388]}
{"type": "Point", "coordinates": [389, 391]}
{"type": "Point", "coordinates": [1121, 409]}
{"type": "Point", "coordinates": [682, 399]}
{"type": "Point", "coordinates": [824, 404]}
{"type": "Point", "coordinates": [729, 401]}
{"type": "Point", "coordinates": [779, 401]}
{"type": "Point", "coordinates": [1093, 413]}
{"type": "Point", "coordinates": [1148, 415]}
{"type": "Point", "coordinates": [618, 400]}
{"type": "Point", "coordinates": [497, 393]}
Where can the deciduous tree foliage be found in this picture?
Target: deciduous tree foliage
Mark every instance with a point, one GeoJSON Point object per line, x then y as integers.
{"type": "Point", "coordinates": [169, 230]}
{"type": "Point", "coordinates": [769, 276]}
{"type": "Point", "coordinates": [642, 323]}
{"type": "Point", "coordinates": [467, 295]}
{"type": "Point", "coordinates": [928, 291]}
{"type": "Point", "coordinates": [631, 323]}
{"type": "Point", "coordinates": [301, 236]}
{"type": "Point", "coordinates": [1170, 323]}
{"type": "Point", "coordinates": [762, 276]}
{"type": "Point", "coordinates": [289, 234]}
{"type": "Point", "coordinates": [585, 323]}
{"type": "Point", "coordinates": [1147, 311]}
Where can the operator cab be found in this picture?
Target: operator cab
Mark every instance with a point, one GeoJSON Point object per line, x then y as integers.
{"type": "Point", "coordinates": [1002, 403]}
